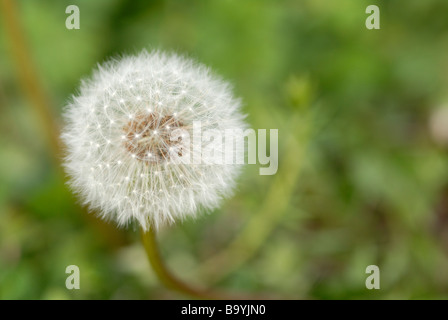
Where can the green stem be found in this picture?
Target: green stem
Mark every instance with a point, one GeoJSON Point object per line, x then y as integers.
{"type": "Point", "coordinates": [172, 282]}
{"type": "Point", "coordinates": [164, 275]}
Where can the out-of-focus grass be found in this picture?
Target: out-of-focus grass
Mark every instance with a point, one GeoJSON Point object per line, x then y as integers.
{"type": "Point", "coordinates": [372, 187]}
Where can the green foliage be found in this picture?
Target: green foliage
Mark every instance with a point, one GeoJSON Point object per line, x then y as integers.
{"type": "Point", "coordinates": [372, 182]}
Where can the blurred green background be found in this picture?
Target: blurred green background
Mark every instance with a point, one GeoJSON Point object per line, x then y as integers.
{"type": "Point", "coordinates": [363, 158]}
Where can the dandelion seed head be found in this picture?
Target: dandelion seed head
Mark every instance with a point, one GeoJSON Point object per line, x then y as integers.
{"type": "Point", "coordinates": [129, 174]}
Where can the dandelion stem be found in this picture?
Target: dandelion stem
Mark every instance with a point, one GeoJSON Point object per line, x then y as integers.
{"type": "Point", "coordinates": [164, 275]}
{"type": "Point", "coordinates": [172, 282]}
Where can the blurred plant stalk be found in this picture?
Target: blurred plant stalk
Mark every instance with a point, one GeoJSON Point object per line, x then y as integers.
{"type": "Point", "coordinates": [41, 104]}
{"type": "Point", "coordinates": [28, 76]}
{"type": "Point", "coordinates": [257, 230]}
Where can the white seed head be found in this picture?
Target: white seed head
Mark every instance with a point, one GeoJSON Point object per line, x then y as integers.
{"type": "Point", "coordinates": [117, 136]}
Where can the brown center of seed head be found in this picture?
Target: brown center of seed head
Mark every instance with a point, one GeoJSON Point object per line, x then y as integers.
{"type": "Point", "coordinates": [147, 137]}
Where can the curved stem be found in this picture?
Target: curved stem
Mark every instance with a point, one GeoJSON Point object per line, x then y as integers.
{"type": "Point", "coordinates": [172, 282]}
{"type": "Point", "coordinates": [28, 77]}
{"type": "Point", "coordinates": [164, 275]}
{"type": "Point", "coordinates": [159, 267]}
